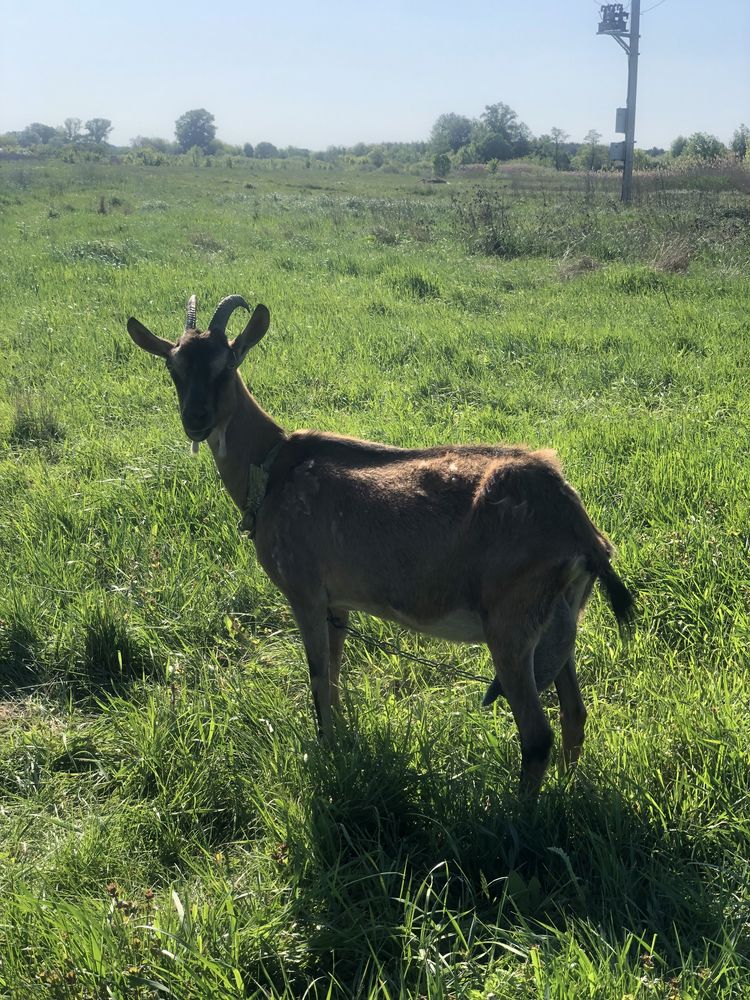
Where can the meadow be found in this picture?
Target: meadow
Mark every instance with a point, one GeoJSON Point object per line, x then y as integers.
{"type": "Point", "coordinates": [169, 824]}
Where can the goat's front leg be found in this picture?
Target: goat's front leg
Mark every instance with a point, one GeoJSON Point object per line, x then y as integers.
{"type": "Point", "coordinates": [313, 626]}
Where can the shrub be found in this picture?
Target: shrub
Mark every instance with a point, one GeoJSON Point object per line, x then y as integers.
{"type": "Point", "coordinates": [441, 165]}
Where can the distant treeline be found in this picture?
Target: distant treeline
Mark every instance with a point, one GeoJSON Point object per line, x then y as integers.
{"type": "Point", "coordinates": [497, 135]}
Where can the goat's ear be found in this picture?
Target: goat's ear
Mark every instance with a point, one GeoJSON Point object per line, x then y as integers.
{"type": "Point", "coordinates": [147, 340]}
{"type": "Point", "coordinates": [253, 332]}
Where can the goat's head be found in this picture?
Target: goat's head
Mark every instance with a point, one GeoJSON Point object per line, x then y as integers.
{"type": "Point", "coordinates": [203, 364]}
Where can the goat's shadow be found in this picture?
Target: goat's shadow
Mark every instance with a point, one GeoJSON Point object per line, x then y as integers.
{"type": "Point", "coordinates": [378, 834]}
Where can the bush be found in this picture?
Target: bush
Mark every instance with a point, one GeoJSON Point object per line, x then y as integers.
{"type": "Point", "coordinates": [441, 165]}
{"type": "Point", "coordinates": [266, 151]}
{"type": "Point", "coordinates": [705, 147]}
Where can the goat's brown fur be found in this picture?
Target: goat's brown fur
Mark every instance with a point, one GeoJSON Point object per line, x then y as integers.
{"type": "Point", "coordinates": [470, 543]}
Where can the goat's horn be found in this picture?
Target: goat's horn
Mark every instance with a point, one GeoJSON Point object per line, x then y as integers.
{"type": "Point", "coordinates": [224, 310]}
{"type": "Point", "coordinates": [190, 318]}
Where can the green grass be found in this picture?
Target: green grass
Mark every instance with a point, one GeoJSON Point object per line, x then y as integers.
{"type": "Point", "coordinates": [169, 825]}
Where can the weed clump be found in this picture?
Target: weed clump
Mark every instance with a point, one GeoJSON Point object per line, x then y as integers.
{"type": "Point", "coordinates": [673, 256]}
{"type": "Point", "coordinates": [416, 284]}
{"type": "Point", "coordinates": [109, 654]}
{"type": "Point", "coordinates": [385, 236]}
{"type": "Point", "coordinates": [486, 222]}
{"type": "Point", "coordinates": [34, 426]}
{"type": "Point", "coordinates": [636, 280]}
{"type": "Point", "coordinates": [154, 205]}
{"type": "Point", "coordinates": [18, 645]}
{"type": "Point", "coordinates": [103, 252]}
{"type": "Point", "coordinates": [205, 243]}
{"type": "Point", "coordinates": [573, 267]}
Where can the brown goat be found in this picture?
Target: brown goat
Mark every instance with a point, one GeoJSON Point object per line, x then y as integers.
{"type": "Point", "coordinates": [468, 543]}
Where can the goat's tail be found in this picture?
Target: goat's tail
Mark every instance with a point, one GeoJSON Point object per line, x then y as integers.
{"type": "Point", "coordinates": [597, 561]}
{"type": "Point", "coordinates": [621, 600]}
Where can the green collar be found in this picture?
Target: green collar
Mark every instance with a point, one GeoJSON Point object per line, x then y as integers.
{"type": "Point", "coordinates": [257, 483]}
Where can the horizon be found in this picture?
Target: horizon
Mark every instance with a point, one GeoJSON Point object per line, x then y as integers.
{"type": "Point", "coordinates": [334, 77]}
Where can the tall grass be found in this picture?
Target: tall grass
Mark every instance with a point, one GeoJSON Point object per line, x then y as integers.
{"type": "Point", "coordinates": [169, 825]}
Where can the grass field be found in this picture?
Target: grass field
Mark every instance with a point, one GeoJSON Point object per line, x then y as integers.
{"type": "Point", "coordinates": [169, 825]}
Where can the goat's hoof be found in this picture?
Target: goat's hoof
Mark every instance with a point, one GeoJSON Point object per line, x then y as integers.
{"type": "Point", "coordinates": [325, 738]}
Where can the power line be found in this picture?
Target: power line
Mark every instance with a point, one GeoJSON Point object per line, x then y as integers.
{"type": "Point", "coordinates": [654, 6]}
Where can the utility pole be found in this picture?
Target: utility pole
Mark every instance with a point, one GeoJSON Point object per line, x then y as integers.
{"type": "Point", "coordinates": [614, 22]}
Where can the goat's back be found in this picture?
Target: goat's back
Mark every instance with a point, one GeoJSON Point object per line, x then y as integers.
{"type": "Point", "coordinates": [419, 527]}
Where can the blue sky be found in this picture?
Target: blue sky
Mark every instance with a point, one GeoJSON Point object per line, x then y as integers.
{"type": "Point", "coordinates": [335, 73]}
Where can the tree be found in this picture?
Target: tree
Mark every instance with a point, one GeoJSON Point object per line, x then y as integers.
{"type": "Point", "coordinates": [98, 129]}
{"type": "Point", "coordinates": [740, 141]}
{"type": "Point", "coordinates": [501, 119]}
{"type": "Point", "coordinates": [591, 139]}
{"type": "Point", "coordinates": [450, 132]}
{"type": "Point", "coordinates": [678, 146]}
{"type": "Point", "coordinates": [590, 155]}
{"type": "Point", "coordinates": [72, 129]}
{"type": "Point", "coordinates": [492, 146]}
{"type": "Point", "coordinates": [523, 140]}
{"type": "Point", "coordinates": [644, 160]}
{"type": "Point", "coordinates": [544, 147]}
{"type": "Point", "coordinates": [505, 136]}
{"type": "Point", "coordinates": [266, 150]}
{"type": "Point", "coordinates": [441, 164]}
{"type": "Point", "coordinates": [195, 128]}
{"type": "Point", "coordinates": [558, 137]}
{"type": "Point", "coordinates": [37, 134]}
{"type": "Point", "coordinates": [702, 146]}
{"type": "Point", "coordinates": [153, 142]}
{"type": "Point", "coordinates": [248, 150]}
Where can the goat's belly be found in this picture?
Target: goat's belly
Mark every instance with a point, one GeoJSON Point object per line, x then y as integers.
{"type": "Point", "coordinates": [460, 625]}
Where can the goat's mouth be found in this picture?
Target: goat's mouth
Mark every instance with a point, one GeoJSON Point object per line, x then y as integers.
{"type": "Point", "coordinates": [196, 435]}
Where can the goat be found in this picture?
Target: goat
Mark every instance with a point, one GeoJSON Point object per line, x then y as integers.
{"type": "Point", "coordinates": [471, 543]}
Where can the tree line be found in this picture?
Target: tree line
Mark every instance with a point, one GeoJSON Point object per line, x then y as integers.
{"type": "Point", "coordinates": [497, 135]}
{"type": "Point", "coordinates": [72, 130]}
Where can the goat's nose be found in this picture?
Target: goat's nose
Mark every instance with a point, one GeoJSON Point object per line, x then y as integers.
{"type": "Point", "coordinates": [196, 413]}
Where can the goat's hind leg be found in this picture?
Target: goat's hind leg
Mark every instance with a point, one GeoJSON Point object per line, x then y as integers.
{"type": "Point", "coordinates": [338, 619]}
{"type": "Point", "coordinates": [555, 645]}
{"type": "Point", "coordinates": [512, 648]}
{"type": "Point", "coordinates": [572, 709]}
{"type": "Point", "coordinates": [572, 714]}
{"type": "Point", "coordinates": [554, 660]}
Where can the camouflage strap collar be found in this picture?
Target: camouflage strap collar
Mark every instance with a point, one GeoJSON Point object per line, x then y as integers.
{"type": "Point", "coordinates": [257, 483]}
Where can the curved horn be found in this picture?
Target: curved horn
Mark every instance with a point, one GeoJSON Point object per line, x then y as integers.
{"type": "Point", "coordinates": [224, 310]}
{"type": "Point", "coordinates": [190, 318]}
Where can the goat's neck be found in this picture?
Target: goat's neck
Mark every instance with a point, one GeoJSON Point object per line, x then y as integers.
{"type": "Point", "coordinates": [245, 439]}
